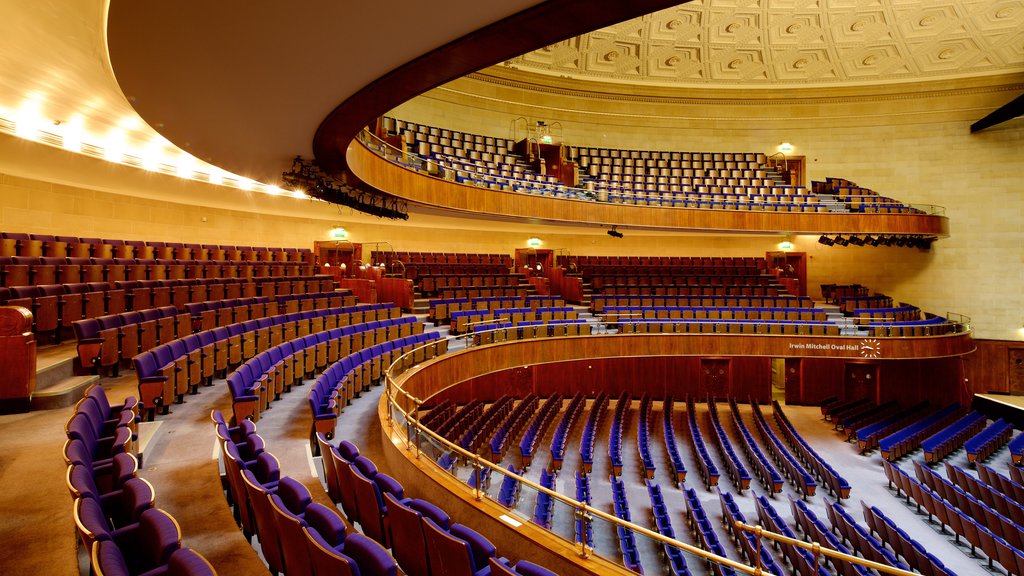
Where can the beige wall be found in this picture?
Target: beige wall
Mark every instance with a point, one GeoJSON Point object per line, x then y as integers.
{"type": "Point", "coordinates": [911, 142]}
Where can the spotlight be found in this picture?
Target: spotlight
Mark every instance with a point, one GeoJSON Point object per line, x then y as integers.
{"type": "Point", "coordinates": [856, 240]}
{"type": "Point", "coordinates": [901, 241]}
{"type": "Point", "coordinates": [874, 240]}
{"type": "Point", "coordinates": [842, 241]}
{"type": "Point", "coordinates": [825, 240]}
{"type": "Point", "coordinates": [887, 240]}
{"type": "Point", "coordinates": [614, 233]}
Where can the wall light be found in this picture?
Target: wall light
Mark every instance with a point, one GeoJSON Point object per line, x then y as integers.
{"type": "Point", "coordinates": [786, 245]}
{"type": "Point", "coordinates": [786, 148]}
{"type": "Point", "coordinates": [534, 242]}
{"type": "Point", "coordinates": [339, 233]}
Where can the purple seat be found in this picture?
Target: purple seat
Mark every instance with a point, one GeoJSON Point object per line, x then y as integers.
{"type": "Point", "coordinates": [100, 447]}
{"type": "Point", "coordinates": [149, 543]}
{"type": "Point", "coordinates": [451, 550]}
{"type": "Point", "coordinates": [123, 505]}
{"type": "Point", "coordinates": [265, 523]}
{"type": "Point", "coordinates": [107, 475]}
{"type": "Point", "coordinates": [108, 560]}
{"type": "Point", "coordinates": [290, 524]}
{"type": "Point", "coordinates": [410, 545]}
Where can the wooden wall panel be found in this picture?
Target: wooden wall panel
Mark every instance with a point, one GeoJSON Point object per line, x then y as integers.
{"type": "Point", "coordinates": [988, 368]}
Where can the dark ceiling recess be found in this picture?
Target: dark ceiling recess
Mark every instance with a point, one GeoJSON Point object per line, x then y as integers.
{"type": "Point", "coordinates": [1008, 111]}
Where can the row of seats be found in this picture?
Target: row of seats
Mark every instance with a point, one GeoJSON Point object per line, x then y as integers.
{"type": "Point", "coordinates": [663, 525]}
{"type": "Point", "coordinates": [38, 270]}
{"type": "Point", "coordinates": [482, 292]}
{"type": "Point", "coordinates": [518, 418]}
{"type": "Point", "coordinates": [912, 552]}
{"type": "Point", "coordinates": [484, 425]}
{"type": "Point", "coordinates": [908, 439]}
{"type": "Point", "coordinates": [675, 459]}
{"type": "Point", "coordinates": [802, 480]}
{"type": "Point", "coordinates": [986, 442]}
{"type": "Point", "coordinates": [545, 507]}
{"type": "Point", "coordinates": [617, 281]}
{"type": "Point", "coordinates": [714, 267]}
{"type": "Point", "coordinates": [613, 313]}
{"type": "Point", "coordinates": [420, 534]}
{"type": "Point", "coordinates": [1000, 482]}
{"type": "Point", "coordinates": [620, 420]}
{"type": "Point", "coordinates": [766, 472]}
{"type": "Point", "coordinates": [643, 436]}
{"type": "Point", "coordinates": [441, 258]}
{"type": "Point", "coordinates": [857, 417]}
{"type": "Point", "coordinates": [859, 538]}
{"type": "Point", "coordinates": [429, 284]}
{"type": "Point", "coordinates": [734, 466]}
{"type": "Point", "coordinates": [708, 291]}
{"type": "Point", "coordinates": [905, 313]}
{"type": "Point", "coordinates": [584, 261]}
{"type": "Point", "coordinates": [990, 495]}
{"type": "Point", "coordinates": [24, 244]}
{"type": "Point", "coordinates": [979, 533]}
{"type": "Point", "coordinates": [114, 509]}
{"type": "Point", "coordinates": [584, 531]}
{"type": "Point", "coordinates": [951, 438]}
{"type": "Point", "coordinates": [796, 327]}
{"type": "Point", "coordinates": [1017, 449]}
{"type": "Point", "coordinates": [441, 308]}
{"type": "Point", "coordinates": [704, 532]}
{"type": "Point", "coordinates": [589, 435]}
{"type": "Point", "coordinates": [801, 560]}
{"type": "Point", "coordinates": [601, 301]}
{"type": "Point", "coordinates": [462, 320]}
{"type": "Point", "coordinates": [181, 364]}
{"type": "Point", "coordinates": [564, 427]}
{"type": "Point", "coordinates": [747, 543]}
{"type": "Point", "coordinates": [814, 529]}
{"type": "Point", "coordinates": [851, 305]}
{"type": "Point", "coordinates": [708, 469]}
{"type": "Point", "coordinates": [537, 427]}
{"type": "Point", "coordinates": [868, 436]}
{"type": "Point", "coordinates": [836, 484]}
{"type": "Point", "coordinates": [627, 540]}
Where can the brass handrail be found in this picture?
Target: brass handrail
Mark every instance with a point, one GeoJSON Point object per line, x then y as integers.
{"type": "Point", "coordinates": [818, 550]}
{"type": "Point", "coordinates": [391, 391]}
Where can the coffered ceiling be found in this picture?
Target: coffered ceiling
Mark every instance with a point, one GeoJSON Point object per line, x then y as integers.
{"type": "Point", "coordinates": [749, 43]}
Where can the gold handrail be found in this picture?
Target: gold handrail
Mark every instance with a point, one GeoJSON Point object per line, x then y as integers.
{"type": "Point", "coordinates": [391, 391]}
{"type": "Point", "coordinates": [817, 550]}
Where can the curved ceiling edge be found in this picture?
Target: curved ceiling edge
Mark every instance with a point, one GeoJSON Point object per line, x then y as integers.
{"type": "Point", "coordinates": [530, 29]}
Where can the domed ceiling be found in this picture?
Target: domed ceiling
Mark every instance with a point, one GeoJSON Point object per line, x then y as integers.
{"type": "Point", "coordinates": [795, 42]}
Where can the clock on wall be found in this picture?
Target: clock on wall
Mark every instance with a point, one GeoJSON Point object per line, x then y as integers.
{"type": "Point", "coordinates": [870, 348]}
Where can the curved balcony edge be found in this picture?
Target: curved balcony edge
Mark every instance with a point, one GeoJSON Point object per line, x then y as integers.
{"type": "Point", "coordinates": [378, 173]}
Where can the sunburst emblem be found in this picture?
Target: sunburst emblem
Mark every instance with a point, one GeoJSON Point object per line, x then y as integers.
{"type": "Point", "coordinates": [870, 348]}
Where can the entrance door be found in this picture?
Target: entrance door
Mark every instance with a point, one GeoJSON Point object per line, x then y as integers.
{"type": "Point", "coordinates": [793, 386]}
{"type": "Point", "coordinates": [715, 374]}
{"type": "Point", "coordinates": [1016, 370]}
{"type": "Point", "coordinates": [861, 381]}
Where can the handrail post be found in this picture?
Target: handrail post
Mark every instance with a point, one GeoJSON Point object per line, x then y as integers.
{"type": "Point", "coordinates": [757, 532]}
{"type": "Point", "coordinates": [416, 424]}
{"type": "Point", "coordinates": [816, 550]}
{"type": "Point", "coordinates": [585, 521]}
{"type": "Point", "coordinates": [477, 467]}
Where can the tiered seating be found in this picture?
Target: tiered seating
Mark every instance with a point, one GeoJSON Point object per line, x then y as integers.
{"type": "Point", "coordinates": [545, 507]}
{"type": "Point", "coordinates": [991, 496]}
{"type": "Point", "coordinates": [441, 308]}
{"type": "Point", "coordinates": [859, 538]}
{"type": "Point", "coordinates": [984, 443]}
{"type": "Point", "coordinates": [114, 510]}
{"type": "Point", "coordinates": [601, 301]}
{"type": "Point", "coordinates": [737, 471]}
{"type": "Point", "coordinates": [453, 429]}
{"type": "Point", "coordinates": [951, 438]}
{"type": "Point", "coordinates": [462, 319]}
{"type": "Point", "coordinates": [815, 531]}
{"type": "Point", "coordinates": [564, 428]}
{"type": "Point", "coordinates": [833, 406]}
{"type": "Point", "coordinates": [620, 419]}
{"type": "Point", "coordinates": [485, 423]}
{"type": "Point", "coordinates": [796, 473]}
{"type": "Point", "coordinates": [860, 199]}
{"type": "Point", "coordinates": [746, 542]}
{"type": "Point", "coordinates": [627, 541]}
{"type": "Point", "coordinates": [913, 553]}
{"type": "Point", "coordinates": [590, 429]}
{"type": "Point", "coordinates": [518, 418]}
{"type": "Point", "coordinates": [704, 532]}
{"type": "Point", "coordinates": [766, 472]}
{"type": "Point", "coordinates": [708, 470]}
{"type": "Point", "coordinates": [643, 437]}
{"type": "Point", "coordinates": [908, 439]}
{"type": "Point", "coordinates": [905, 313]}
{"type": "Point", "coordinates": [491, 332]}
{"type": "Point", "coordinates": [538, 426]}
{"type": "Point", "coordinates": [663, 524]}
{"type": "Point", "coordinates": [1005, 485]}
{"type": "Point", "coordinates": [980, 525]}
{"type": "Point", "coordinates": [1016, 474]}
{"type": "Point", "coordinates": [793, 327]}
{"type": "Point", "coordinates": [836, 484]}
{"type": "Point", "coordinates": [508, 493]}
{"type": "Point", "coordinates": [800, 559]}
{"type": "Point", "coordinates": [626, 313]}
{"type": "Point", "coordinates": [857, 416]}
{"type": "Point", "coordinates": [431, 258]}
{"type": "Point", "coordinates": [669, 431]}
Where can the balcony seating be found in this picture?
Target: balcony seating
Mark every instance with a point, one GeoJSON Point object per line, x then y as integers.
{"type": "Point", "coordinates": [462, 551]}
{"type": "Point", "coordinates": [407, 531]}
{"type": "Point", "coordinates": [984, 443]}
{"type": "Point", "coordinates": [708, 469]}
{"type": "Point", "coordinates": [601, 301]}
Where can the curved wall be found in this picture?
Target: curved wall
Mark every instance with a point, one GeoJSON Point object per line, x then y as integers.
{"type": "Point", "coordinates": [908, 141]}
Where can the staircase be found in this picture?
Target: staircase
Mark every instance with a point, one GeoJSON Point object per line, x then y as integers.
{"type": "Point", "coordinates": [57, 385]}
{"type": "Point", "coordinates": [829, 201]}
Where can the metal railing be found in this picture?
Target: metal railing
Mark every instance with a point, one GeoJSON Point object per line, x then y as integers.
{"type": "Point", "coordinates": [416, 434]}
{"type": "Point", "coordinates": [430, 167]}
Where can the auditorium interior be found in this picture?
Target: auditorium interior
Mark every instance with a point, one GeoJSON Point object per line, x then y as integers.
{"type": "Point", "coordinates": [512, 287]}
